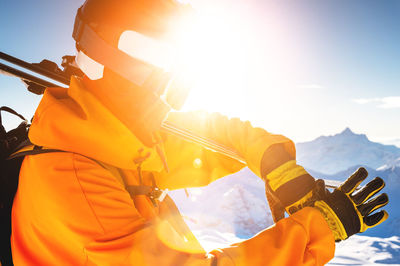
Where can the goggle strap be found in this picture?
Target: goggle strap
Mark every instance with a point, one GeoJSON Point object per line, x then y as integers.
{"type": "Point", "coordinates": [99, 50]}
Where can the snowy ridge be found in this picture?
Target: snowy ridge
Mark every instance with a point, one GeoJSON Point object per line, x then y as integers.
{"type": "Point", "coordinates": [390, 165]}
{"type": "Point", "coordinates": [331, 154]}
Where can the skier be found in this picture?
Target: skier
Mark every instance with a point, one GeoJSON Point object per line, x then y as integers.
{"type": "Point", "coordinates": [101, 199]}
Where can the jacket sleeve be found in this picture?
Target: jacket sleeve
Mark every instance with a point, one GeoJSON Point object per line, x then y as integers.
{"type": "Point", "coordinates": [301, 239]}
{"type": "Point", "coordinates": [204, 166]}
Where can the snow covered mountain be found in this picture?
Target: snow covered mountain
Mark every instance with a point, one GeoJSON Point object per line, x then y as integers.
{"type": "Point", "coordinates": [389, 173]}
{"type": "Point", "coordinates": [332, 154]}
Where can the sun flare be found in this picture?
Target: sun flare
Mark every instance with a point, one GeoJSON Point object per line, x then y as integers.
{"type": "Point", "coordinates": [215, 54]}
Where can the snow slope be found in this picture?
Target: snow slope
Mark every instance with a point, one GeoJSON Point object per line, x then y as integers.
{"type": "Point", "coordinates": [362, 250]}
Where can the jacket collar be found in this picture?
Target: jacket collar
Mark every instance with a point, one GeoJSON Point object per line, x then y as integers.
{"type": "Point", "coordinates": [84, 120]}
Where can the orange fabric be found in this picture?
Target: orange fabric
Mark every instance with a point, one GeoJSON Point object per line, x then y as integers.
{"type": "Point", "coordinates": [70, 210]}
{"type": "Point", "coordinates": [302, 239]}
{"type": "Point", "coordinates": [250, 142]}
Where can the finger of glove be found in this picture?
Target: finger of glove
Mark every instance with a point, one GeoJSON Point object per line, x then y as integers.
{"type": "Point", "coordinates": [374, 204]}
{"type": "Point", "coordinates": [368, 191]}
{"type": "Point", "coordinates": [320, 188]}
{"type": "Point", "coordinates": [354, 180]}
{"type": "Point", "coordinates": [375, 219]}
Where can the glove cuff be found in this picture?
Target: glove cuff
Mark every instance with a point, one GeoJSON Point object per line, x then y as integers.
{"type": "Point", "coordinates": [284, 174]}
{"type": "Point", "coordinates": [343, 220]}
{"type": "Point", "coordinates": [339, 232]}
{"type": "Point", "coordinates": [291, 185]}
{"type": "Point", "coordinates": [296, 191]}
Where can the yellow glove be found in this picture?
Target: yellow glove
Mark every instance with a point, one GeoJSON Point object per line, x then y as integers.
{"type": "Point", "coordinates": [349, 213]}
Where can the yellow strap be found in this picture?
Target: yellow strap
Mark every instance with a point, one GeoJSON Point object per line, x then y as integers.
{"type": "Point", "coordinates": [301, 203]}
{"type": "Point", "coordinates": [284, 174]}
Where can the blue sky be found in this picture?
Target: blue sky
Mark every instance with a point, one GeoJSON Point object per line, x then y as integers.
{"type": "Point", "coordinates": [321, 65]}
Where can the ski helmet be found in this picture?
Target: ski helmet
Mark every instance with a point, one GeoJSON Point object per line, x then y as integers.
{"type": "Point", "coordinates": [130, 37]}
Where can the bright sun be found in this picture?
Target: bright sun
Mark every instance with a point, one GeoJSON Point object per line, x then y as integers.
{"type": "Point", "coordinates": [216, 56]}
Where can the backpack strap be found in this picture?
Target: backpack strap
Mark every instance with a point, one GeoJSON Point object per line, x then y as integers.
{"type": "Point", "coordinates": [27, 148]}
{"type": "Point", "coordinates": [11, 111]}
{"type": "Point", "coordinates": [153, 192]}
{"type": "Point", "coordinates": [9, 140]}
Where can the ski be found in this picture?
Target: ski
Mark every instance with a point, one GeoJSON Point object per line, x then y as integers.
{"type": "Point", "coordinates": [51, 71]}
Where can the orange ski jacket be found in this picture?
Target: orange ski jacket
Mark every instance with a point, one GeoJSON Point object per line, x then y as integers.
{"type": "Point", "coordinates": [74, 208]}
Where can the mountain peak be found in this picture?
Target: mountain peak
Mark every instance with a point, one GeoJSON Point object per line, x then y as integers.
{"type": "Point", "coordinates": [343, 150]}
{"type": "Point", "coordinates": [347, 131]}
{"type": "Point", "coordinates": [348, 135]}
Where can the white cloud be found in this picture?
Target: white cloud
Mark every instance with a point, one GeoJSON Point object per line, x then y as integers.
{"type": "Point", "coordinates": [365, 101]}
{"type": "Point", "coordinates": [311, 86]}
{"type": "Point", "coordinates": [390, 102]}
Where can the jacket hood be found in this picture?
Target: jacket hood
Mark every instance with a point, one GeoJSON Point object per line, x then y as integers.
{"type": "Point", "coordinates": [74, 119]}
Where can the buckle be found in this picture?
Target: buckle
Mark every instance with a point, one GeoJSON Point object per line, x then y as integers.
{"type": "Point", "coordinates": [157, 194]}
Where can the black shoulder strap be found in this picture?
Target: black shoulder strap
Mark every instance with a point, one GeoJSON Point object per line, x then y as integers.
{"type": "Point", "coordinates": [11, 111]}
{"type": "Point", "coordinates": [8, 140]}
{"type": "Point", "coordinates": [27, 148]}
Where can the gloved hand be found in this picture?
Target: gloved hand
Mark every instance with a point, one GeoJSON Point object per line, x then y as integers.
{"type": "Point", "coordinates": [349, 213]}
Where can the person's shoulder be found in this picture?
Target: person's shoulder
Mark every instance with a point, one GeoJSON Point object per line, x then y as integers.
{"type": "Point", "coordinates": [59, 161]}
